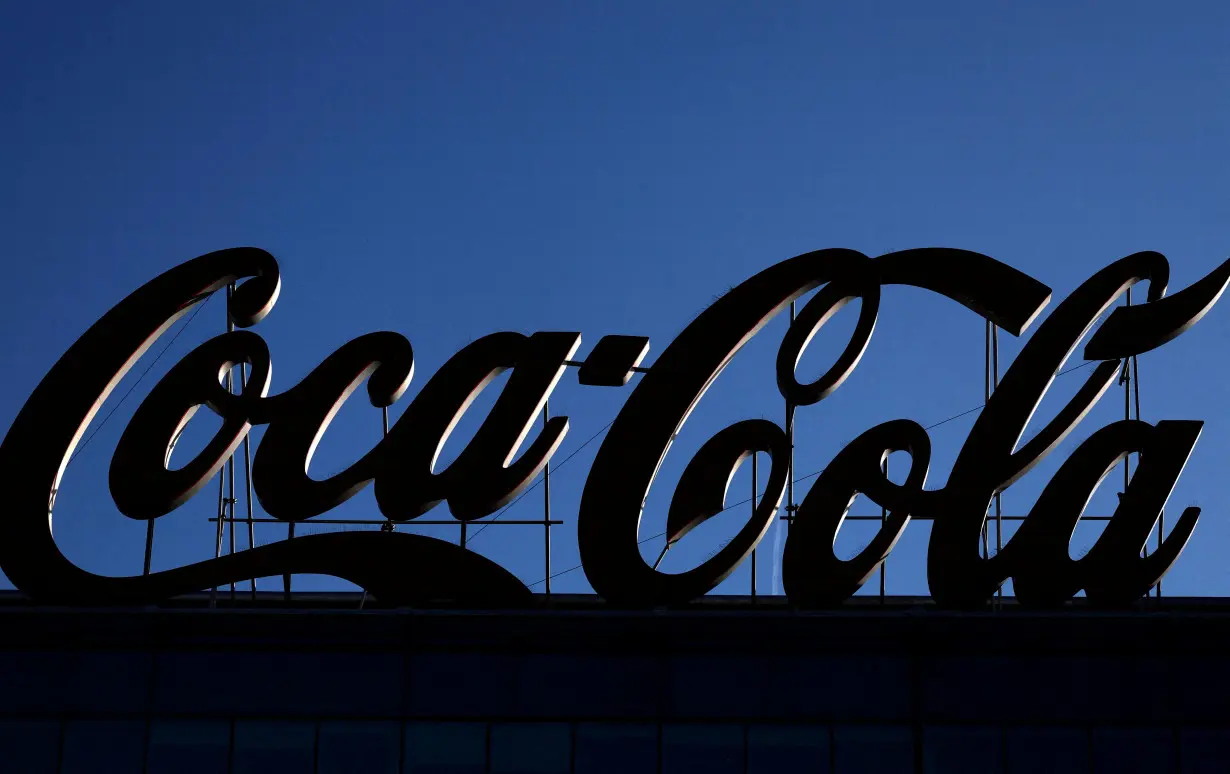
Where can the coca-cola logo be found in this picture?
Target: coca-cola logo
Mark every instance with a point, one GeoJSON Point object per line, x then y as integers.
{"type": "Point", "coordinates": [492, 470]}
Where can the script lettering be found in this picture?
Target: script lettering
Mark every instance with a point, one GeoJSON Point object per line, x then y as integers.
{"type": "Point", "coordinates": [987, 463]}
{"type": "Point", "coordinates": [399, 568]}
{"type": "Point", "coordinates": [627, 463]}
{"type": "Point", "coordinates": [493, 469]}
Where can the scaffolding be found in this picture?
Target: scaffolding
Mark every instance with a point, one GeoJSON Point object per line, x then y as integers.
{"type": "Point", "coordinates": [226, 519]}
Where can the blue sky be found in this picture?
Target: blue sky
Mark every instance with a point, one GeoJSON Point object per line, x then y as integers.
{"type": "Point", "coordinates": [448, 170]}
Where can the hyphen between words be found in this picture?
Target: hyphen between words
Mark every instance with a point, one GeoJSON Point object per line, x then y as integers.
{"type": "Point", "coordinates": [406, 569]}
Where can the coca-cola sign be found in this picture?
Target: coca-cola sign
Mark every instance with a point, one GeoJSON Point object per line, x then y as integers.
{"type": "Point", "coordinates": [493, 469]}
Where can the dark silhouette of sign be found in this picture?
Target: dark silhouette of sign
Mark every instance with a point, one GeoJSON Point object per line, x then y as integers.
{"type": "Point", "coordinates": [400, 568]}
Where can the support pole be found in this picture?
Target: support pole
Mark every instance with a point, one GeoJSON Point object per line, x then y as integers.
{"type": "Point", "coordinates": [986, 398]}
{"type": "Point", "coordinates": [546, 505]}
{"type": "Point", "coordinates": [247, 472]}
{"type": "Point", "coordinates": [149, 528]}
{"type": "Point", "coordinates": [149, 544]}
{"type": "Point", "coordinates": [883, 519]}
{"type": "Point", "coordinates": [230, 463]}
{"type": "Point", "coordinates": [658, 561]}
{"type": "Point", "coordinates": [1132, 367]}
{"type": "Point", "coordinates": [290, 535]}
{"type": "Point", "coordinates": [386, 526]}
{"type": "Point", "coordinates": [213, 593]}
{"type": "Point", "coordinates": [1125, 379]}
{"type": "Point", "coordinates": [790, 443]}
{"type": "Point", "coordinates": [999, 522]}
{"type": "Point", "coordinates": [999, 513]}
{"type": "Point", "coordinates": [1161, 519]}
{"type": "Point", "coordinates": [755, 486]}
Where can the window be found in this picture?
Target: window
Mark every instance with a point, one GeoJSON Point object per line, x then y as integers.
{"type": "Point", "coordinates": [285, 746]}
{"type": "Point", "coordinates": [702, 749]}
{"type": "Point", "coordinates": [787, 749]}
{"type": "Point", "coordinates": [31, 746]}
{"type": "Point", "coordinates": [1201, 690]}
{"type": "Point", "coordinates": [864, 686]}
{"type": "Point", "coordinates": [1132, 750]}
{"type": "Point", "coordinates": [1205, 750]}
{"type": "Point", "coordinates": [1047, 750]}
{"type": "Point", "coordinates": [873, 750]}
{"type": "Point", "coordinates": [1130, 690]}
{"type": "Point", "coordinates": [616, 748]}
{"type": "Point", "coordinates": [279, 684]}
{"type": "Point", "coordinates": [189, 747]}
{"type": "Point", "coordinates": [962, 750]}
{"type": "Point", "coordinates": [109, 682]}
{"type": "Point", "coordinates": [111, 746]}
{"type": "Point", "coordinates": [35, 681]}
{"type": "Point", "coordinates": [446, 748]}
{"type": "Point", "coordinates": [599, 685]}
{"type": "Point", "coordinates": [56, 681]}
{"type": "Point", "coordinates": [531, 748]}
{"type": "Point", "coordinates": [463, 685]}
{"type": "Point", "coordinates": [719, 686]}
{"type": "Point", "coordinates": [1035, 689]}
{"type": "Point", "coordinates": [358, 747]}
{"type": "Point", "coordinates": [860, 687]}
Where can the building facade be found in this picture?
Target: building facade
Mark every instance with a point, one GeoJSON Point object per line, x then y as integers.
{"type": "Point", "coordinates": [725, 686]}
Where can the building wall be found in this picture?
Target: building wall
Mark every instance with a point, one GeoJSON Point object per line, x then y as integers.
{"type": "Point", "coordinates": [715, 689]}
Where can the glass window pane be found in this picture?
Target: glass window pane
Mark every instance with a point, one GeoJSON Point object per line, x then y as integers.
{"type": "Point", "coordinates": [86, 683]}
{"type": "Point", "coordinates": [531, 748]}
{"type": "Point", "coordinates": [37, 681]}
{"type": "Point", "coordinates": [873, 749]}
{"type": "Point", "coordinates": [279, 684]}
{"type": "Point", "coordinates": [446, 748]}
{"type": "Point", "coordinates": [1036, 688]}
{"type": "Point", "coordinates": [702, 749]}
{"type": "Point", "coordinates": [1205, 750]}
{"type": "Point", "coordinates": [787, 749]}
{"type": "Point", "coordinates": [1201, 690]}
{"type": "Point", "coordinates": [189, 746]}
{"type": "Point", "coordinates": [617, 748]}
{"type": "Point", "coordinates": [870, 687]}
{"type": "Point", "coordinates": [1042, 750]}
{"type": "Point", "coordinates": [358, 747]}
{"type": "Point", "coordinates": [110, 682]}
{"type": "Point", "coordinates": [463, 685]}
{"type": "Point", "coordinates": [962, 750]}
{"type": "Point", "coordinates": [285, 746]}
{"type": "Point", "coordinates": [30, 746]}
{"type": "Point", "coordinates": [1133, 750]}
{"type": "Point", "coordinates": [103, 747]}
{"type": "Point", "coordinates": [595, 685]}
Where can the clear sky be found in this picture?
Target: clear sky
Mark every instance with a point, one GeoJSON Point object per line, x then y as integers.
{"type": "Point", "coordinates": [447, 170]}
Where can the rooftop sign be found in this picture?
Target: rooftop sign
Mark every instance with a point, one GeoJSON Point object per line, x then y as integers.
{"type": "Point", "coordinates": [402, 568]}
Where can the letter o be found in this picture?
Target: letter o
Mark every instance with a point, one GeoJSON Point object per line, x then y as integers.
{"type": "Point", "coordinates": [818, 311]}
